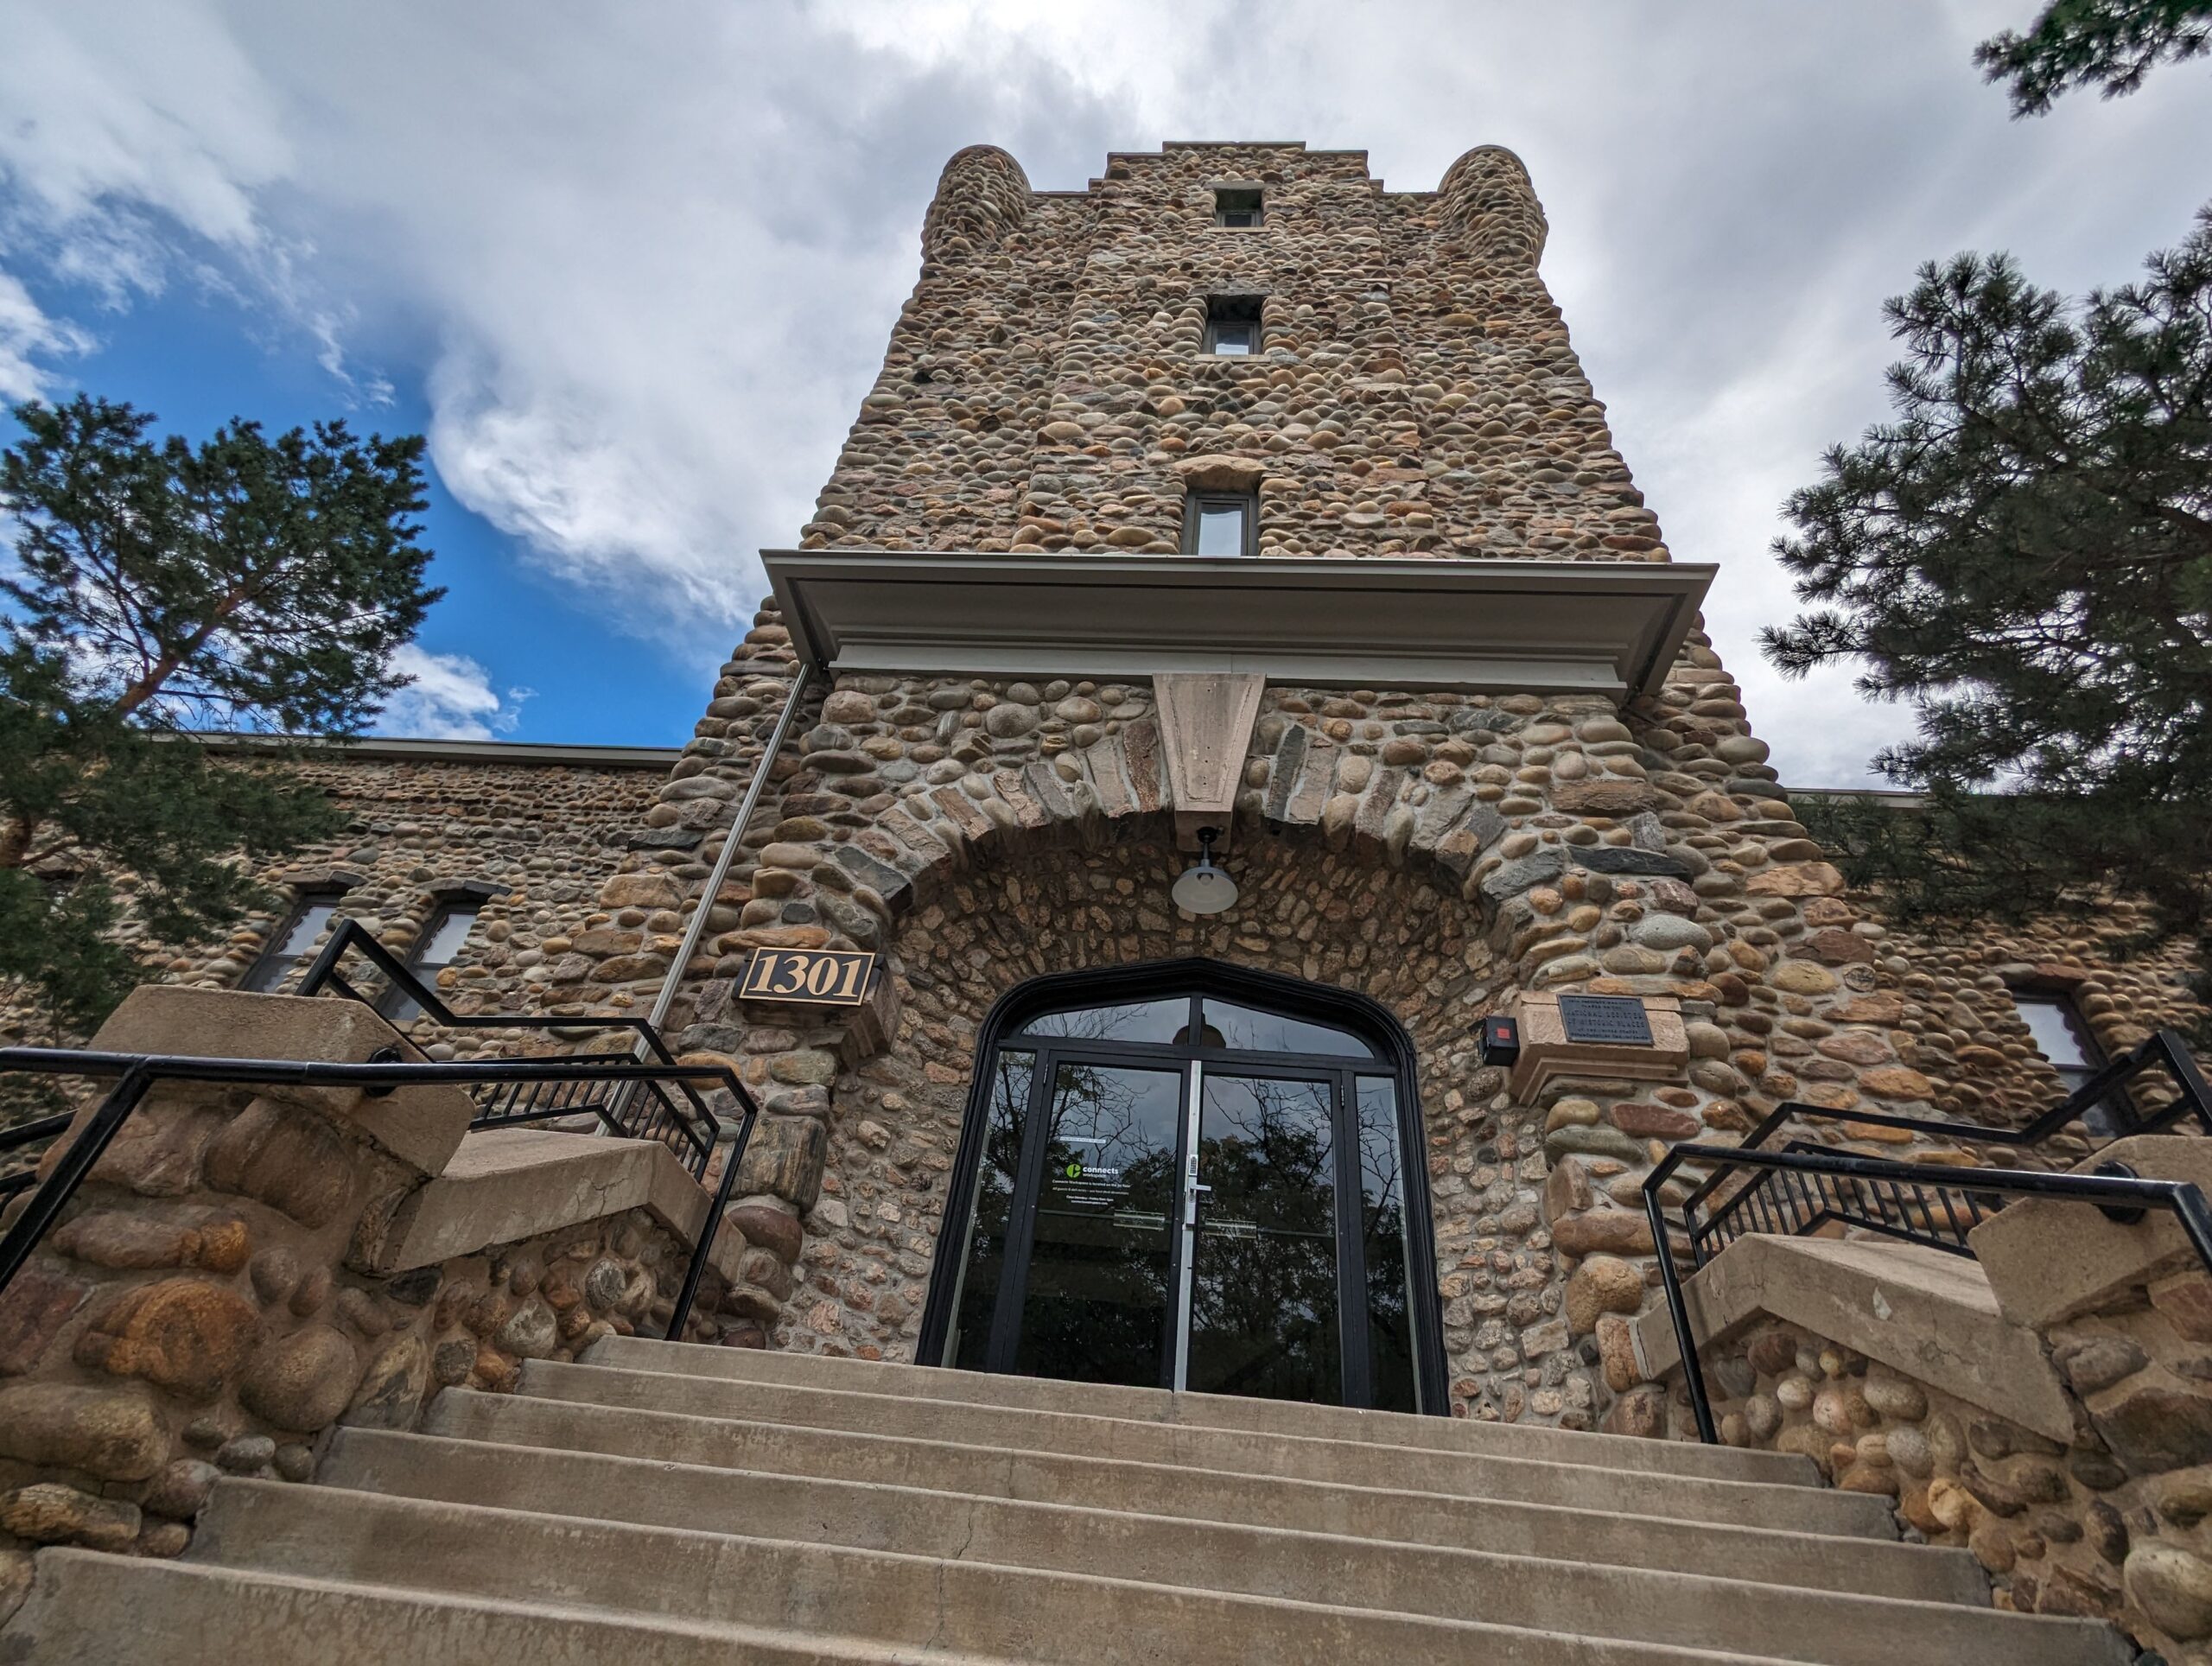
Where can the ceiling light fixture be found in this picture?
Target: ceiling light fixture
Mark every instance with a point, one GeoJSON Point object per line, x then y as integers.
{"type": "Point", "coordinates": [1204, 889]}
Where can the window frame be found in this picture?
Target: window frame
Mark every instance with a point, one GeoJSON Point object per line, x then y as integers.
{"type": "Point", "coordinates": [2105, 1116]}
{"type": "Point", "coordinates": [1199, 500]}
{"type": "Point", "coordinates": [1223, 208]}
{"type": "Point", "coordinates": [1241, 309]}
{"type": "Point", "coordinates": [306, 898]}
{"type": "Point", "coordinates": [393, 1005]}
{"type": "Point", "coordinates": [2061, 1002]}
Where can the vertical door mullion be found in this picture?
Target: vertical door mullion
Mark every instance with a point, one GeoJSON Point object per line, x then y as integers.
{"type": "Point", "coordinates": [1351, 1247]}
{"type": "Point", "coordinates": [1186, 1228]}
{"type": "Point", "coordinates": [1022, 1219]}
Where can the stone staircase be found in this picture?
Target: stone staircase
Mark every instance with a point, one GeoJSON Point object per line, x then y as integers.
{"type": "Point", "coordinates": [682, 1505]}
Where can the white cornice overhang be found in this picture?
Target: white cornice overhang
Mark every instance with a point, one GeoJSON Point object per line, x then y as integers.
{"type": "Point", "coordinates": [1601, 627]}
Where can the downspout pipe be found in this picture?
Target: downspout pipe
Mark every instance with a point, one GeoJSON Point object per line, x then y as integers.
{"type": "Point", "coordinates": [696, 929]}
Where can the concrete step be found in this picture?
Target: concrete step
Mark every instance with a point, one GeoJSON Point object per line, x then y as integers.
{"type": "Point", "coordinates": [1358, 1463]}
{"type": "Point", "coordinates": [1791, 1605]}
{"type": "Point", "coordinates": [94, 1610]}
{"type": "Point", "coordinates": [1404, 1517]}
{"type": "Point", "coordinates": [1525, 1611]}
{"type": "Point", "coordinates": [1202, 1410]}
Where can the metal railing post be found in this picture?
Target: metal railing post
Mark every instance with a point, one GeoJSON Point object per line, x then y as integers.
{"type": "Point", "coordinates": [2181, 1063]}
{"type": "Point", "coordinates": [2194, 1216]}
{"type": "Point", "coordinates": [696, 928]}
{"type": "Point", "coordinates": [702, 1251]}
{"type": "Point", "coordinates": [54, 1192]}
{"type": "Point", "coordinates": [1685, 1343]}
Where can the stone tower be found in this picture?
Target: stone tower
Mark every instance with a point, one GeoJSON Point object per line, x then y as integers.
{"type": "Point", "coordinates": [1468, 748]}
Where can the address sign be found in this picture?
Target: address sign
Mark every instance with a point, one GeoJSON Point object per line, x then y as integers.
{"type": "Point", "coordinates": [823, 977]}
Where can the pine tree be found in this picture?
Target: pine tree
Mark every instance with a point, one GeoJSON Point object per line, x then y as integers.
{"type": "Point", "coordinates": [2112, 44]}
{"type": "Point", "coordinates": [2025, 555]}
{"type": "Point", "coordinates": [162, 589]}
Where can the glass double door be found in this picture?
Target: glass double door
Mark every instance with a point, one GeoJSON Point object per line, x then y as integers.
{"type": "Point", "coordinates": [1193, 1224]}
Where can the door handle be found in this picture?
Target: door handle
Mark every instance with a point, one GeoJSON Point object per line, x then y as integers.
{"type": "Point", "coordinates": [1191, 1202]}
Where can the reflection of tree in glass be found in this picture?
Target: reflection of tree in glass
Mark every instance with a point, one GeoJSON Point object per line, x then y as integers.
{"type": "Point", "coordinates": [1249, 1029]}
{"type": "Point", "coordinates": [1097, 1305]}
{"type": "Point", "coordinates": [978, 1292]}
{"type": "Point", "coordinates": [1143, 1021]}
{"type": "Point", "coordinates": [1098, 1102]}
{"type": "Point", "coordinates": [1263, 1295]}
{"type": "Point", "coordinates": [1382, 1220]}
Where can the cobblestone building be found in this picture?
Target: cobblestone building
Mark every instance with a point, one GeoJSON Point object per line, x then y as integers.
{"type": "Point", "coordinates": [1236, 491]}
{"type": "Point", "coordinates": [519, 839]}
{"type": "Point", "coordinates": [1365, 376]}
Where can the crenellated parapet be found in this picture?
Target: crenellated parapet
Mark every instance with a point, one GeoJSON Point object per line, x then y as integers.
{"type": "Point", "coordinates": [1414, 391]}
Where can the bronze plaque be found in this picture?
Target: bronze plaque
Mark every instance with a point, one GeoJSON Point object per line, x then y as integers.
{"type": "Point", "coordinates": [820, 977]}
{"type": "Point", "coordinates": [1617, 1019]}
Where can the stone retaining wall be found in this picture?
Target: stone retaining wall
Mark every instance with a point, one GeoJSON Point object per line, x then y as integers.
{"type": "Point", "coordinates": [2045, 1404]}
{"type": "Point", "coordinates": [226, 1286]}
{"type": "Point", "coordinates": [2111, 1525]}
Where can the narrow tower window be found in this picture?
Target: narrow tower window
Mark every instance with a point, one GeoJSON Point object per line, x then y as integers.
{"type": "Point", "coordinates": [1221, 524]}
{"type": "Point", "coordinates": [289, 945]}
{"type": "Point", "coordinates": [2061, 1036]}
{"type": "Point", "coordinates": [1236, 206]}
{"type": "Point", "coordinates": [435, 949]}
{"type": "Point", "coordinates": [1233, 325]}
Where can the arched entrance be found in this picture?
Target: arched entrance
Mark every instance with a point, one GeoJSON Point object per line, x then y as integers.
{"type": "Point", "coordinates": [1193, 1175]}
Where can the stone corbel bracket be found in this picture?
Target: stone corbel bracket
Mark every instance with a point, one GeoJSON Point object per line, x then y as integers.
{"type": "Point", "coordinates": [1546, 1052]}
{"type": "Point", "coordinates": [1205, 728]}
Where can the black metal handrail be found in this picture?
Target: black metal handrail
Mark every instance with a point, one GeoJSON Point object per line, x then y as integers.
{"type": "Point", "coordinates": [1807, 1185]}
{"type": "Point", "coordinates": [2165, 1049]}
{"type": "Point", "coordinates": [1934, 1209]}
{"type": "Point", "coordinates": [21, 1137]}
{"type": "Point", "coordinates": [638, 1108]}
{"type": "Point", "coordinates": [137, 1072]}
{"type": "Point", "coordinates": [2124, 1196]}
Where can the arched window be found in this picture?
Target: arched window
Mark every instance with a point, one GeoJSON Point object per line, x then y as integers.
{"type": "Point", "coordinates": [1192, 1176]}
{"type": "Point", "coordinates": [437, 945]}
{"type": "Point", "coordinates": [286, 947]}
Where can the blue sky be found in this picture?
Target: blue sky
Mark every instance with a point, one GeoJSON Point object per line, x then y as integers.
{"type": "Point", "coordinates": [543, 647]}
{"type": "Point", "coordinates": [631, 267]}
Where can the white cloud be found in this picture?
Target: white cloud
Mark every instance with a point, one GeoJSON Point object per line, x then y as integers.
{"type": "Point", "coordinates": [649, 255]}
{"type": "Point", "coordinates": [451, 698]}
{"type": "Point", "coordinates": [122, 126]}
{"type": "Point", "coordinates": [30, 342]}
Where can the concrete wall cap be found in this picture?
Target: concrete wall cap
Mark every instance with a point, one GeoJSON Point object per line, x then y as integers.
{"type": "Point", "coordinates": [507, 1185]}
{"type": "Point", "coordinates": [2048, 1259]}
{"type": "Point", "coordinates": [1922, 1312]}
{"type": "Point", "coordinates": [420, 1126]}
